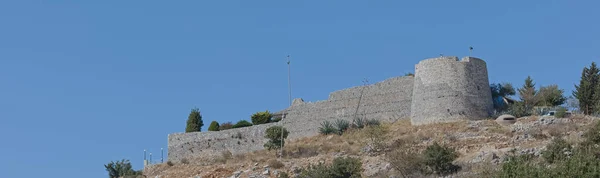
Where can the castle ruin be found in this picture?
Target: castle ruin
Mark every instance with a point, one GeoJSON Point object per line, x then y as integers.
{"type": "Point", "coordinates": [443, 89]}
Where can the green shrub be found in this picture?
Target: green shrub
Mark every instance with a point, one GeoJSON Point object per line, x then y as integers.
{"type": "Point", "coordinates": [341, 126]}
{"type": "Point", "coordinates": [261, 117]}
{"type": "Point", "coordinates": [340, 168]}
{"type": "Point", "coordinates": [358, 122]}
{"type": "Point", "coordinates": [242, 123]}
{"type": "Point", "coordinates": [555, 151]}
{"type": "Point", "coordinates": [346, 167]}
{"type": "Point", "coordinates": [225, 126]}
{"type": "Point", "coordinates": [439, 159]}
{"type": "Point", "coordinates": [214, 126]}
{"type": "Point", "coordinates": [274, 134]}
{"type": "Point", "coordinates": [169, 163]}
{"type": "Point", "coordinates": [518, 110]}
{"type": "Point", "coordinates": [561, 113]}
{"type": "Point", "coordinates": [326, 128]}
{"type": "Point", "coordinates": [120, 169]}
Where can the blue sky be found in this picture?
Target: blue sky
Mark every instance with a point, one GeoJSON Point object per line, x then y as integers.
{"type": "Point", "coordinates": [83, 83]}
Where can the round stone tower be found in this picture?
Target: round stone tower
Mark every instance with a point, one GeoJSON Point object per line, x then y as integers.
{"type": "Point", "coordinates": [446, 90]}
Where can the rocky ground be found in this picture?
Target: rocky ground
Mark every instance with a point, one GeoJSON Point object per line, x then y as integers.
{"type": "Point", "coordinates": [482, 146]}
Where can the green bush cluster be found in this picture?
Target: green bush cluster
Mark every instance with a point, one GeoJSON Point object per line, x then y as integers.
{"type": "Point", "coordinates": [275, 134]}
{"type": "Point", "coordinates": [242, 123]}
{"type": "Point", "coordinates": [261, 117]}
{"type": "Point", "coordinates": [342, 167]}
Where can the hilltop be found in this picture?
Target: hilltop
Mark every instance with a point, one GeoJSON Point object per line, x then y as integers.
{"type": "Point", "coordinates": [482, 146]}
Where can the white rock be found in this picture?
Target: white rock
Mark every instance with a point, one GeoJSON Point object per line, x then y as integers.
{"type": "Point", "coordinates": [266, 172]}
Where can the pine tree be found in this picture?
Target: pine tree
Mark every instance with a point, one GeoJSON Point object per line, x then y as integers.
{"type": "Point", "coordinates": [587, 92]}
{"type": "Point", "coordinates": [527, 93]}
{"type": "Point", "coordinates": [194, 122]}
{"type": "Point", "coordinates": [214, 126]}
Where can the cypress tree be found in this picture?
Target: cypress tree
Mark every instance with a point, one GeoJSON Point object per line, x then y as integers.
{"type": "Point", "coordinates": [527, 93]}
{"type": "Point", "coordinates": [588, 90]}
{"type": "Point", "coordinates": [194, 122]}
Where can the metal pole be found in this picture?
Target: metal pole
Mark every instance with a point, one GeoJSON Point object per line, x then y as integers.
{"type": "Point", "coordinates": [161, 155]}
{"type": "Point", "coordinates": [150, 158]}
{"type": "Point", "coordinates": [290, 104]}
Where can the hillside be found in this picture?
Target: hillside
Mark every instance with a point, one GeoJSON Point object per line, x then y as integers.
{"type": "Point", "coordinates": [481, 146]}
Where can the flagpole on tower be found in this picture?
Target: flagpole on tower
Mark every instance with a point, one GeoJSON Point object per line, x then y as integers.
{"type": "Point", "coordinates": [470, 51]}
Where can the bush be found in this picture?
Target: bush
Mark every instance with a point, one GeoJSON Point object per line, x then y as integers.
{"type": "Point", "coordinates": [274, 134]}
{"type": "Point", "coordinates": [439, 159]}
{"type": "Point", "coordinates": [185, 161]}
{"type": "Point", "coordinates": [214, 126]}
{"type": "Point", "coordinates": [326, 128]}
{"type": "Point", "coordinates": [555, 151]}
{"type": "Point", "coordinates": [358, 123]}
{"type": "Point", "coordinates": [518, 110]}
{"type": "Point", "coordinates": [341, 126]}
{"type": "Point", "coordinates": [346, 167]}
{"type": "Point", "coordinates": [340, 168]}
{"type": "Point", "coordinates": [242, 123]}
{"type": "Point", "coordinates": [275, 164]}
{"type": "Point", "coordinates": [561, 113]}
{"type": "Point", "coordinates": [261, 117]}
{"type": "Point", "coordinates": [169, 163]}
{"type": "Point", "coordinates": [121, 169]}
{"type": "Point", "coordinates": [225, 126]}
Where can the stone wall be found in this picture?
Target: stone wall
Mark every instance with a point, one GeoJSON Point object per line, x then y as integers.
{"type": "Point", "coordinates": [211, 143]}
{"type": "Point", "coordinates": [388, 100]}
{"type": "Point", "coordinates": [447, 89]}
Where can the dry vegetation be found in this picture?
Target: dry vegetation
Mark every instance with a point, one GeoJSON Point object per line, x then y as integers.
{"type": "Point", "coordinates": [390, 143]}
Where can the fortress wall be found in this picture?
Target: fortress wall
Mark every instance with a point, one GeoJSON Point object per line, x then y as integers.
{"type": "Point", "coordinates": [211, 143]}
{"type": "Point", "coordinates": [388, 100]}
{"type": "Point", "coordinates": [447, 90]}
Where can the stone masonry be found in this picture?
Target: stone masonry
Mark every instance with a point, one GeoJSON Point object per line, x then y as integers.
{"type": "Point", "coordinates": [443, 90]}
{"type": "Point", "coordinates": [447, 90]}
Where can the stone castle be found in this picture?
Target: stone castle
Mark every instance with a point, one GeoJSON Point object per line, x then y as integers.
{"type": "Point", "coordinates": [443, 89]}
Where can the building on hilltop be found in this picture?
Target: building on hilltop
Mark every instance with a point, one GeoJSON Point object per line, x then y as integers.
{"type": "Point", "coordinates": [443, 89]}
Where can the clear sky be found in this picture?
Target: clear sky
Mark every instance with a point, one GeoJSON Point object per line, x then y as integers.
{"type": "Point", "coordinates": [86, 82]}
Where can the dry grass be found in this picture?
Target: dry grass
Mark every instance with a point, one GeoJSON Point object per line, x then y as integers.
{"type": "Point", "coordinates": [275, 164]}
